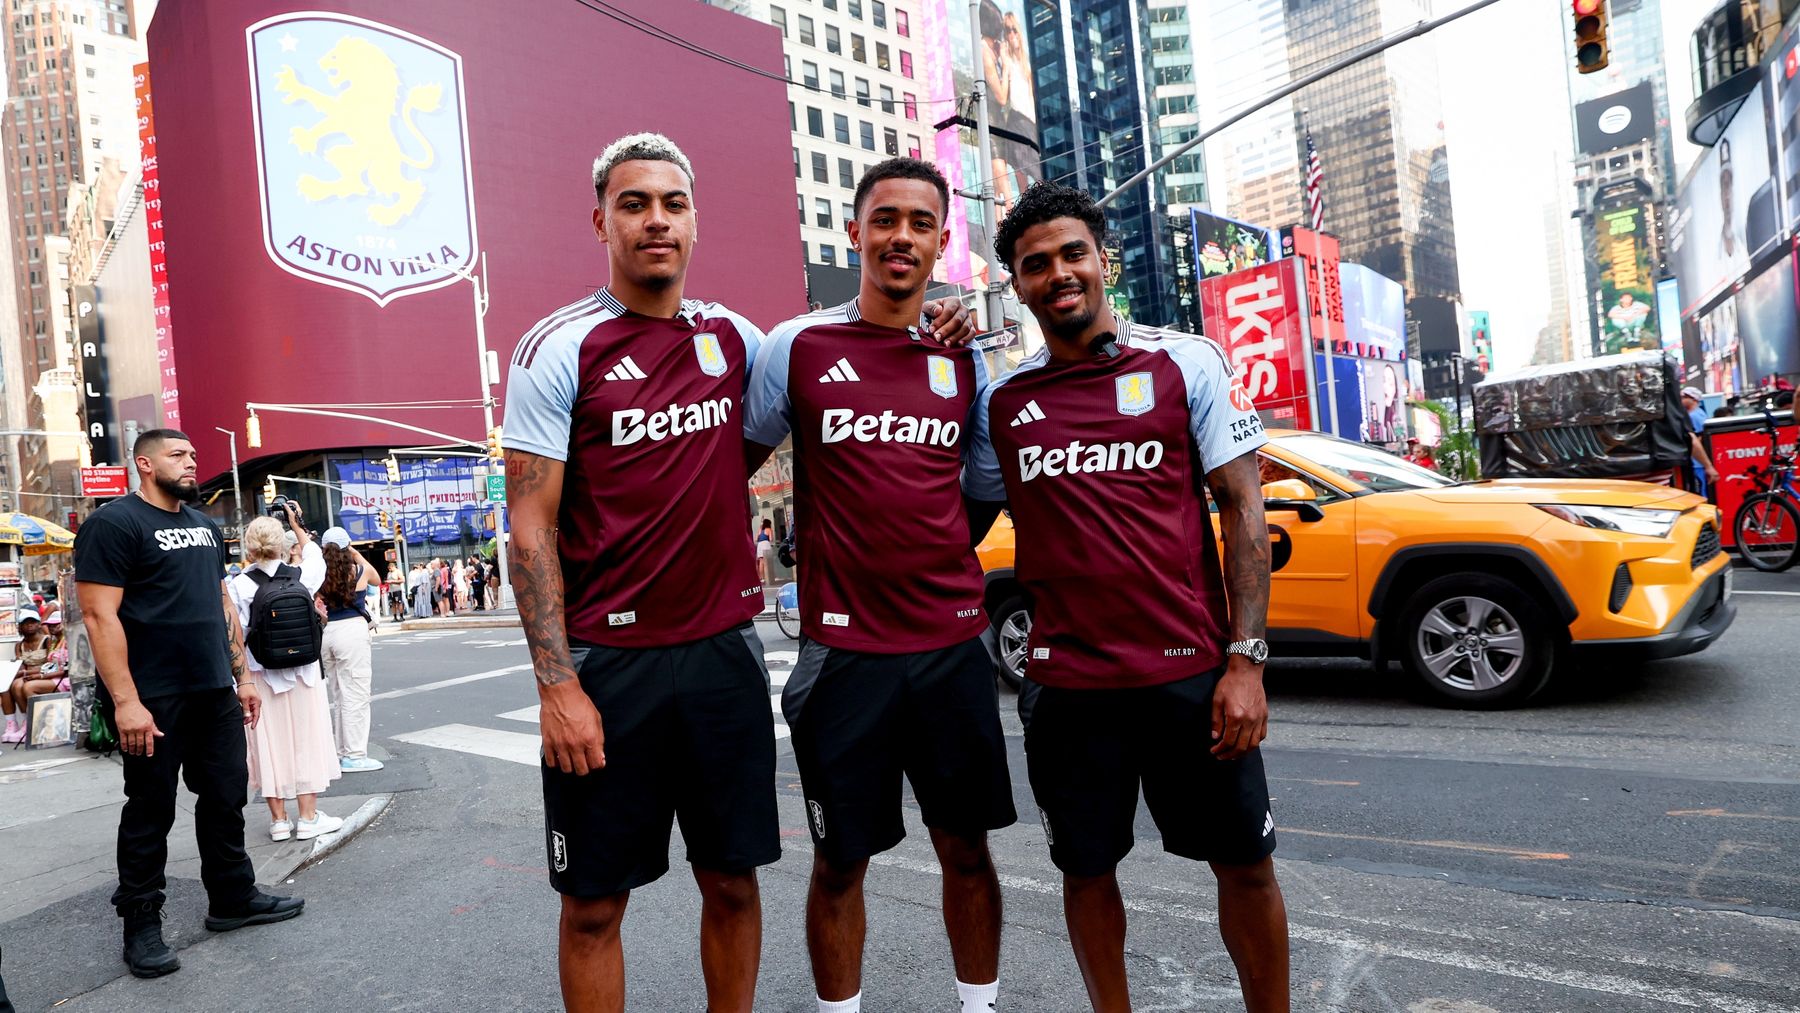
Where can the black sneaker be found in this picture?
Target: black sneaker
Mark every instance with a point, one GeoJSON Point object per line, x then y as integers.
{"type": "Point", "coordinates": [261, 910]}
{"type": "Point", "coordinates": [145, 952]}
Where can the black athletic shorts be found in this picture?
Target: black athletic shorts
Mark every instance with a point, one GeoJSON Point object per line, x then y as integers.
{"type": "Point", "coordinates": [862, 720]}
{"type": "Point", "coordinates": [689, 736]}
{"type": "Point", "coordinates": [1088, 750]}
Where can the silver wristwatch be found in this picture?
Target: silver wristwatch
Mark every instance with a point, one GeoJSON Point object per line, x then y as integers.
{"type": "Point", "coordinates": [1256, 650]}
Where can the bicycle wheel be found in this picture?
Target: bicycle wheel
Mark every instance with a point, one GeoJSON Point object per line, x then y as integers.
{"type": "Point", "coordinates": [1768, 532]}
{"type": "Point", "coordinates": [788, 620]}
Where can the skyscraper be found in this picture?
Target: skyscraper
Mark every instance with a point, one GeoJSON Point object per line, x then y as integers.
{"type": "Point", "coordinates": [69, 107]}
{"type": "Point", "coordinates": [1102, 67]}
{"type": "Point", "coordinates": [1377, 125]}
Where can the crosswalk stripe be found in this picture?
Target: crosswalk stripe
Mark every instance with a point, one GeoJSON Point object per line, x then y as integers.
{"type": "Point", "coordinates": [526, 714]}
{"type": "Point", "coordinates": [516, 747]}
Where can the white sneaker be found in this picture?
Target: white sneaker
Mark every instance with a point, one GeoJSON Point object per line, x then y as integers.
{"type": "Point", "coordinates": [320, 824]}
{"type": "Point", "coordinates": [280, 830]}
{"type": "Point", "coordinates": [356, 764]}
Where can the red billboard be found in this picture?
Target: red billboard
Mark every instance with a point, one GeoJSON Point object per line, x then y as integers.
{"type": "Point", "coordinates": [1734, 453]}
{"type": "Point", "coordinates": [1255, 313]}
{"type": "Point", "coordinates": [324, 174]}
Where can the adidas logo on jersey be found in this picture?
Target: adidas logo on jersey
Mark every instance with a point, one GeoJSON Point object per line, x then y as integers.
{"type": "Point", "coordinates": [840, 373]}
{"type": "Point", "coordinates": [1030, 413]}
{"type": "Point", "coordinates": [843, 424]}
{"type": "Point", "coordinates": [626, 370]}
{"type": "Point", "coordinates": [633, 425]}
{"type": "Point", "coordinates": [1080, 458]}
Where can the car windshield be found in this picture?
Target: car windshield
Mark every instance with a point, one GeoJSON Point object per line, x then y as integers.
{"type": "Point", "coordinates": [1370, 467]}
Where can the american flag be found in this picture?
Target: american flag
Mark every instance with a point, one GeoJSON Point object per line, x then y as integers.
{"type": "Point", "coordinates": [1315, 196]}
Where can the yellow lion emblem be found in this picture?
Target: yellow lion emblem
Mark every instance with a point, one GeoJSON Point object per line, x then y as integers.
{"type": "Point", "coordinates": [367, 88]}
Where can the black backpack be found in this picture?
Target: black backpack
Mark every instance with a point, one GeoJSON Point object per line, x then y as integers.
{"type": "Point", "coordinates": [285, 629]}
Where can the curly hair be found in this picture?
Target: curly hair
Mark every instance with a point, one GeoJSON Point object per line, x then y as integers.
{"type": "Point", "coordinates": [901, 168]}
{"type": "Point", "coordinates": [1045, 202]}
{"type": "Point", "coordinates": [341, 573]}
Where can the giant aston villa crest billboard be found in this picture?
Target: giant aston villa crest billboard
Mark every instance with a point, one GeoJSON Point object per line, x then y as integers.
{"type": "Point", "coordinates": [331, 175]}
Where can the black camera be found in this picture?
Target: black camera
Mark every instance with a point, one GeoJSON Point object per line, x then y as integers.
{"type": "Point", "coordinates": [278, 509]}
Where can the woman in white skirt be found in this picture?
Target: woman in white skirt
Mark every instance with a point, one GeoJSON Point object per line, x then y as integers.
{"type": "Point", "coordinates": [291, 751]}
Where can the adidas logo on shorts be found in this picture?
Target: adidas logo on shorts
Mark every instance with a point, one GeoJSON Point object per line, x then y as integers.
{"type": "Point", "coordinates": [1268, 824]}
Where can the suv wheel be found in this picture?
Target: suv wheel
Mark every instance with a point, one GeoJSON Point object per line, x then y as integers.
{"type": "Point", "coordinates": [1477, 641]}
{"type": "Point", "coordinates": [1012, 629]}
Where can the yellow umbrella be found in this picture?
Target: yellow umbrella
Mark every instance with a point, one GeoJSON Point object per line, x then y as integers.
{"type": "Point", "coordinates": [36, 536]}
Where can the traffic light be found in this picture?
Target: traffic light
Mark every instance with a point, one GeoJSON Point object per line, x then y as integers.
{"type": "Point", "coordinates": [393, 473]}
{"type": "Point", "coordinates": [384, 519]}
{"type": "Point", "coordinates": [269, 490]}
{"type": "Point", "coordinates": [1590, 35]}
{"type": "Point", "coordinates": [493, 446]}
{"type": "Point", "coordinates": [253, 430]}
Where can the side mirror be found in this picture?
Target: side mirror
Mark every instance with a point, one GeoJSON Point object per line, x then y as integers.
{"type": "Point", "coordinates": [1293, 494]}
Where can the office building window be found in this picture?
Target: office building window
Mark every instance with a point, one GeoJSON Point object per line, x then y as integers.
{"type": "Point", "coordinates": [878, 14]}
{"type": "Point", "coordinates": [901, 27]}
{"type": "Point", "coordinates": [815, 122]}
{"type": "Point", "coordinates": [862, 93]}
{"type": "Point", "coordinates": [892, 141]}
{"type": "Point", "coordinates": [911, 102]}
{"type": "Point", "coordinates": [800, 199]}
{"type": "Point", "coordinates": [793, 124]}
{"type": "Point", "coordinates": [887, 100]}
{"type": "Point", "coordinates": [852, 259]}
{"type": "Point", "coordinates": [820, 173]}
{"type": "Point", "coordinates": [913, 147]}
{"type": "Point", "coordinates": [806, 31]}
{"type": "Point", "coordinates": [828, 254]}
{"type": "Point", "coordinates": [848, 211]}
{"type": "Point", "coordinates": [881, 56]}
{"type": "Point", "coordinates": [830, 5]}
{"type": "Point", "coordinates": [846, 174]}
{"type": "Point", "coordinates": [809, 74]}
{"type": "Point", "coordinates": [905, 64]}
{"type": "Point", "coordinates": [822, 212]}
{"type": "Point", "coordinates": [855, 9]}
{"type": "Point", "coordinates": [837, 84]}
{"type": "Point", "coordinates": [857, 52]}
{"type": "Point", "coordinates": [841, 124]}
{"type": "Point", "coordinates": [797, 163]}
{"type": "Point", "coordinates": [834, 43]}
{"type": "Point", "coordinates": [778, 18]}
{"type": "Point", "coordinates": [868, 135]}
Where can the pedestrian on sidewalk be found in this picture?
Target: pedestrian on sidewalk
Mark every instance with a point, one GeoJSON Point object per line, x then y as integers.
{"type": "Point", "coordinates": [347, 654]}
{"type": "Point", "coordinates": [459, 577]}
{"type": "Point", "coordinates": [291, 752]}
{"type": "Point", "coordinates": [478, 582]}
{"type": "Point", "coordinates": [147, 572]}
{"type": "Point", "coordinates": [419, 585]}
{"type": "Point", "coordinates": [395, 587]}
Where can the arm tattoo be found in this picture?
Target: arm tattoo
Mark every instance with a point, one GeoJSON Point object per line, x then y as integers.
{"type": "Point", "coordinates": [537, 578]}
{"type": "Point", "coordinates": [234, 642]}
{"type": "Point", "coordinates": [1237, 487]}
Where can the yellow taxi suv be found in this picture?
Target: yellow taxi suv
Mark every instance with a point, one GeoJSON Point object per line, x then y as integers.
{"type": "Point", "coordinates": [1484, 591]}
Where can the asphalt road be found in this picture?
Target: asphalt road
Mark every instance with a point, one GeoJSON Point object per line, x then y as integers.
{"type": "Point", "coordinates": [1630, 843]}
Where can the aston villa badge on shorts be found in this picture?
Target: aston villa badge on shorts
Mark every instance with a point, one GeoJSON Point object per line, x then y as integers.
{"type": "Point", "coordinates": [1136, 393]}
{"type": "Point", "coordinates": [362, 151]}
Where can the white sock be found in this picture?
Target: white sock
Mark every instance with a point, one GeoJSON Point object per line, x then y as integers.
{"type": "Point", "coordinates": [850, 1005]}
{"type": "Point", "coordinates": [978, 998]}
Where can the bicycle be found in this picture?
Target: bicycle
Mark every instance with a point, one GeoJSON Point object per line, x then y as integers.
{"type": "Point", "coordinates": [1767, 524]}
{"type": "Point", "coordinates": [787, 610]}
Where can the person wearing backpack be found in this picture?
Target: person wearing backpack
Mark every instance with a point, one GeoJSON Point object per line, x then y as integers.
{"type": "Point", "coordinates": [291, 751]}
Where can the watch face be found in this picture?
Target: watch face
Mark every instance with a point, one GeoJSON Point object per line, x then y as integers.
{"type": "Point", "coordinates": [1259, 651]}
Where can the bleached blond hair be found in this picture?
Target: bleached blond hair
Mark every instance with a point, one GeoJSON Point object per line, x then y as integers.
{"type": "Point", "coordinates": [633, 148]}
{"type": "Point", "coordinates": [263, 540]}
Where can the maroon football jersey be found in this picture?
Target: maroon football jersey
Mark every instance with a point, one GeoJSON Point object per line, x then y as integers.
{"type": "Point", "coordinates": [1103, 462]}
{"type": "Point", "coordinates": [880, 417]}
{"type": "Point", "coordinates": [647, 415]}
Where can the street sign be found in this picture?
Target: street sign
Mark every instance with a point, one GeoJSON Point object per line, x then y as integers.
{"type": "Point", "coordinates": [496, 491]}
{"type": "Point", "coordinates": [104, 481]}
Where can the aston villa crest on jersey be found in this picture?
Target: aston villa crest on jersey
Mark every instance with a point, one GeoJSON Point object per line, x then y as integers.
{"type": "Point", "coordinates": [1136, 393]}
{"type": "Point", "coordinates": [708, 353]}
{"type": "Point", "coordinates": [363, 154]}
{"type": "Point", "coordinates": [943, 375]}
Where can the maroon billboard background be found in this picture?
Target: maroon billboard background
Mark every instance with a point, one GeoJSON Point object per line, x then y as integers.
{"type": "Point", "coordinates": [545, 93]}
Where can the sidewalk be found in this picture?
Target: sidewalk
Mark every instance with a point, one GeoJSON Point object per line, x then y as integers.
{"type": "Point", "coordinates": [489, 619]}
{"type": "Point", "coordinates": [59, 821]}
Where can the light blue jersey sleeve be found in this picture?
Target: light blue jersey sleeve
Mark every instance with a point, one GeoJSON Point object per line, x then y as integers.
{"type": "Point", "coordinates": [540, 398]}
{"type": "Point", "coordinates": [1222, 431]}
{"type": "Point", "coordinates": [981, 466]}
{"type": "Point", "coordinates": [768, 414]}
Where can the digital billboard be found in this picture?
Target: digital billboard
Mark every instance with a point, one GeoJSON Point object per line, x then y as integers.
{"type": "Point", "coordinates": [1783, 74]}
{"type": "Point", "coordinates": [1769, 326]}
{"type": "Point", "coordinates": [1223, 245]}
{"type": "Point", "coordinates": [324, 174]}
{"type": "Point", "coordinates": [1004, 61]}
{"type": "Point", "coordinates": [1371, 397]}
{"type": "Point", "coordinates": [1622, 251]}
{"type": "Point", "coordinates": [1725, 210]}
{"type": "Point", "coordinates": [1374, 313]}
{"type": "Point", "coordinates": [1617, 120]}
{"type": "Point", "coordinates": [1256, 315]}
{"type": "Point", "coordinates": [1668, 315]}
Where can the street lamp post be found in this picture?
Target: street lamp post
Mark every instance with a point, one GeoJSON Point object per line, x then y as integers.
{"type": "Point", "coordinates": [481, 289]}
{"type": "Point", "coordinates": [237, 490]}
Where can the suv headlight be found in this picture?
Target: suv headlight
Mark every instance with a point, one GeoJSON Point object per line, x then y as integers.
{"type": "Point", "coordinates": [1631, 520]}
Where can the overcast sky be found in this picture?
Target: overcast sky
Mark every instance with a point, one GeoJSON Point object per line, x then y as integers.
{"type": "Point", "coordinates": [1506, 116]}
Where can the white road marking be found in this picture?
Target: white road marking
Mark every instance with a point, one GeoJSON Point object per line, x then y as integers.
{"type": "Point", "coordinates": [1785, 594]}
{"type": "Point", "coordinates": [495, 643]}
{"type": "Point", "coordinates": [526, 714]}
{"type": "Point", "coordinates": [514, 746]}
{"type": "Point", "coordinates": [1610, 984]}
{"type": "Point", "coordinates": [393, 694]}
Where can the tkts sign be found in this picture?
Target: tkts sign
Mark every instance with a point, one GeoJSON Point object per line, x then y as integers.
{"type": "Point", "coordinates": [1255, 313]}
{"type": "Point", "coordinates": [362, 142]}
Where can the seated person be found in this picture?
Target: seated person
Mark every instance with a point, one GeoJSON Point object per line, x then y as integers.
{"type": "Point", "coordinates": [37, 673]}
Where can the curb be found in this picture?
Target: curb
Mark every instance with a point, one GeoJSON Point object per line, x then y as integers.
{"type": "Point", "coordinates": [354, 824]}
{"type": "Point", "coordinates": [415, 625]}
